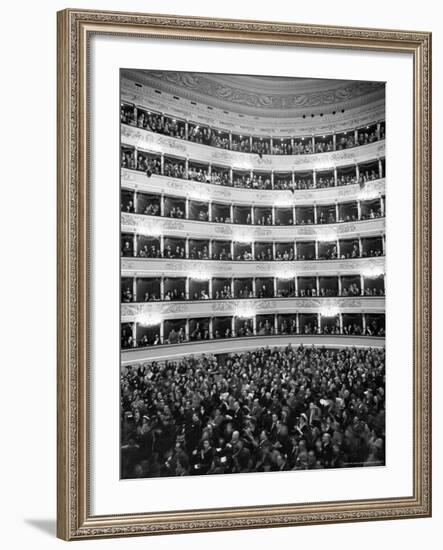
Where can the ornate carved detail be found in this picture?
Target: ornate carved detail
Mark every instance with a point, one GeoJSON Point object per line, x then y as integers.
{"type": "Point", "coordinates": [154, 225]}
{"type": "Point", "coordinates": [250, 520]}
{"type": "Point", "coordinates": [205, 86]}
{"type": "Point", "coordinates": [416, 43]}
{"type": "Point", "coordinates": [204, 308]}
{"type": "Point", "coordinates": [145, 139]}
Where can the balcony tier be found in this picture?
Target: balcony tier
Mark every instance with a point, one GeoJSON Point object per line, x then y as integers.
{"type": "Point", "coordinates": [239, 345]}
{"type": "Point", "coordinates": [174, 187]}
{"type": "Point", "coordinates": [156, 225]}
{"type": "Point", "coordinates": [152, 142]}
{"type": "Point", "coordinates": [151, 267]}
{"type": "Point", "coordinates": [281, 306]}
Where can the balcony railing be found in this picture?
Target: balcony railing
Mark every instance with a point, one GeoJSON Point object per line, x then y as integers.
{"type": "Point", "coordinates": [156, 143]}
{"type": "Point", "coordinates": [187, 130]}
{"type": "Point", "coordinates": [173, 227]}
{"type": "Point", "coordinates": [157, 184]}
{"type": "Point", "coordinates": [173, 352]}
{"type": "Point", "coordinates": [281, 306]}
{"type": "Point", "coordinates": [176, 267]}
{"type": "Point", "coordinates": [149, 331]}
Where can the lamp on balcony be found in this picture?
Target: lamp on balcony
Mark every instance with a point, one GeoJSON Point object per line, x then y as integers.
{"type": "Point", "coordinates": [148, 319]}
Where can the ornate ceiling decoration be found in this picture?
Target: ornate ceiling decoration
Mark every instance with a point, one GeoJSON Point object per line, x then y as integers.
{"type": "Point", "coordinates": [263, 95]}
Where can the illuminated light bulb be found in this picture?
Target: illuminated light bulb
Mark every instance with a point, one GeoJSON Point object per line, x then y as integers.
{"type": "Point", "coordinates": [368, 194]}
{"type": "Point", "coordinates": [285, 275]}
{"type": "Point", "coordinates": [326, 236]}
{"type": "Point", "coordinates": [198, 195]}
{"type": "Point", "coordinates": [199, 275]}
{"type": "Point", "coordinates": [243, 238]}
{"type": "Point", "coordinates": [147, 230]}
{"type": "Point", "coordinates": [373, 271]}
{"type": "Point", "coordinates": [330, 311]}
{"type": "Point", "coordinates": [282, 202]}
{"type": "Point", "coordinates": [148, 319]}
{"type": "Point", "coordinates": [245, 312]}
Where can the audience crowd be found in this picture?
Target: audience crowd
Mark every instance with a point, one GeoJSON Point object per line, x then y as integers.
{"type": "Point", "coordinates": [168, 126]}
{"type": "Point", "coordinates": [176, 168]}
{"type": "Point", "coordinates": [267, 410]}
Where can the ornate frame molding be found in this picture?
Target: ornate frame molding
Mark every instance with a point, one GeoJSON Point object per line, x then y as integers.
{"type": "Point", "coordinates": [74, 29]}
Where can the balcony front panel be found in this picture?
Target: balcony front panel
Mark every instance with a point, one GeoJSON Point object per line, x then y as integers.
{"type": "Point", "coordinates": [152, 267]}
{"type": "Point", "coordinates": [240, 345]}
{"type": "Point", "coordinates": [157, 185]}
{"type": "Point", "coordinates": [149, 141]}
{"type": "Point", "coordinates": [156, 225]}
{"type": "Point", "coordinates": [214, 308]}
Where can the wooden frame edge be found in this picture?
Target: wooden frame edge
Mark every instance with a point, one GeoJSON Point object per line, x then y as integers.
{"type": "Point", "coordinates": [63, 238]}
{"type": "Point", "coordinates": [73, 520]}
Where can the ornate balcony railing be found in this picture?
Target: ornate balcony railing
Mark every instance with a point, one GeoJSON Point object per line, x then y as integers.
{"type": "Point", "coordinates": [152, 142]}
{"type": "Point", "coordinates": [151, 267]}
{"type": "Point", "coordinates": [158, 185]}
{"type": "Point", "coordinates": [156, 225]}
{"type": "Point", "coordinates": [280, 306]}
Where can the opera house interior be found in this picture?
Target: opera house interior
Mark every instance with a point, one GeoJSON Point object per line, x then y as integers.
{"type": "Point", "coordinates": [252, 273]}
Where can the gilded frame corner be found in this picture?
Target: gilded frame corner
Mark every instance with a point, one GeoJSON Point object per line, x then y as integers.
{"type": "Point", "coordinates": [74, 519]}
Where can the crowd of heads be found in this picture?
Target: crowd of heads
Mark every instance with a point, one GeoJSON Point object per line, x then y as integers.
{"type": "Point", "coordinates": [176, 212]}
{"type": "Point", "coordinates": [362, 325]}
{"type": "Point", "coordinates": [329, 252]}
{"type": "Point", "coordinates": [150, 251]}
{"type": "Point", "coordinates": [200, 331]}
{"type": "Point", "coordinates": [352, 289]}
{"type": "Point", "coordinates": [243, 252]}
{"type": "Point", "coordinates": [200, 253]}
{"type": "Point", "coordinates": [250, 288]}
{"type": "Point", "coordinates": [224, 293]}
{"type": "Point", "coordinates": [252, 215]}
{"type": "Point", "coordinates": [150, 163]}
{"type": "Point", "coordinates": [372, 213]}
{"type": "Point", "coordinates": [177, 251]}
{"type": "Point", "coordinates": [205, 135]}
{"type": "Point", "coordinates": [267, 410]}
{"type": "Point", "coordinates": [174, 294]}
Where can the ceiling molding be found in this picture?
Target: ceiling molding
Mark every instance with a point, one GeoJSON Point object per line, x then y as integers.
{"type": "Point", "coordinates": [262, 96]}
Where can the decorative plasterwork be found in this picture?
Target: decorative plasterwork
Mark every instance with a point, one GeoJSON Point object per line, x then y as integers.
{"type": "Point", "coordinates": [154, 225]}
{"type": "Point", "coordinates": [158, 143]}
{"type": "Point", "coordinates": [134, 180]}
{"type": "Point", "coordinates": [157, 266]}
{"type": "Point", "coordinates": [262, 96]}
{"type": "Point", "coordinates": [75, 520]}
{"type": "Point", "coordinates": [210, 308]}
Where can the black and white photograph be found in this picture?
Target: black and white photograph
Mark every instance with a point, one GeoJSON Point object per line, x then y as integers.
{"type": "Point", "coordinates": [252, 274]}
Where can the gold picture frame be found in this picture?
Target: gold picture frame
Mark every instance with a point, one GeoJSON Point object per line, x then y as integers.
{"type": "Point", "coordinates": [75, 27]}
